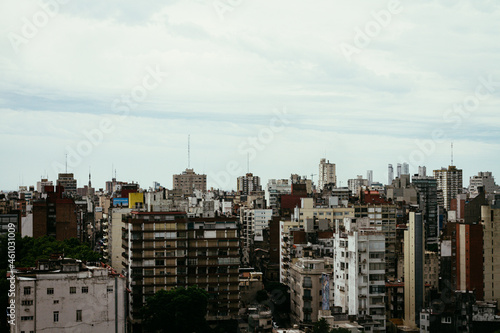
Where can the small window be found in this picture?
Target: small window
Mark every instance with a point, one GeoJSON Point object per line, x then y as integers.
{"type": "Point", "coordinates": [110, 289]}
{"type": "Point", "coordinates": [78, 315]}
{"type": "Point", "coordinates": [72, 290]}
{"type": "Point", "coordinates": [27, 290]}
{"type": "Point", "coordinates": [56, 301]}
{"type": "Point", "coordinates": [85, 290]}
{"type": "Point", "coordinates": [56, 316]}
{"type": "Point", "coordinates": [50, 291]}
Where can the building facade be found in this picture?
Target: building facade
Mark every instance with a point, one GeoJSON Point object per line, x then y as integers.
{"type": "Point", "coordinates": [326, 174]}
{"type": "Point", "coordinates": [449, 181]}
{"type": "Point", "coordinates": [188, 181]}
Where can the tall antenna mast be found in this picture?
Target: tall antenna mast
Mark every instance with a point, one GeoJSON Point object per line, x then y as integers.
{"type": "Point", "coordinates": [189, 151]}
{"type": "Point", "coordinates": [452, 153]}
{"type": "Point", "coordinates": [248, 162]}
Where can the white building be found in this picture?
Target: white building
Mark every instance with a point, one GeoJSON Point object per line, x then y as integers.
{"type": "Point", "coordinates": [359, 270]}
{"type": "Point", "coordinates": [65, 296]}
{"type": "Point", "coordinates": [326, 174]}
{"type": "Point", "coordinates": [275, 188]}
{"type": "Point", "coordinates": [113, 240]}
{"type": "Point", "coordinates": [484, 179]}
{"type": "Point", "coordinates": [355, 184]}
{"type": "Point", "coordinates": [449, 181]}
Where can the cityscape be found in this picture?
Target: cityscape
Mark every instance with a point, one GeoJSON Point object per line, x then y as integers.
{"type": "Point", "coordinates": [414, 255]}
{"type": "Point", "coordinates": [236, 166]}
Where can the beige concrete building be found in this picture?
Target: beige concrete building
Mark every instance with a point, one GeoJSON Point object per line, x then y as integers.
{"type": "Point", "coordinates": [449, 181]}
{"type": "Point", "coordinates": [326, 174]}
{"type": "Point", "coordinates": [491, 249]}
{"type": "Point", "coordinates": [188, 181]}
{"type": "Point", "coordinates": [333, 213]}
{"type": "Point", "coordinates": [113, 240]}
{"type": "Point", "coordinates": [305, 286]}
{"type": "Point", "coordinates": [431, 269]}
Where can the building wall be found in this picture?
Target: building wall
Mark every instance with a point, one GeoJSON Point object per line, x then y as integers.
{"type": "Point", "coordinates": [97, 306]}
{"type": "Point", "coordinates": [491, 249]}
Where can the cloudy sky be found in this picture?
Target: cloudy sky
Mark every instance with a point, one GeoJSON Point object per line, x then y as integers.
{"type": "Point", "coordinates": [282, 83]}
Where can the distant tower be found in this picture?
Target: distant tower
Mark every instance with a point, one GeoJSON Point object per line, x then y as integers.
{"type": "Point", "coordinates": [369, 176]}
{"type": "Point", "coordinates": [327, 174]}
{"type": "Point", "coordinates": [390, 177]}
{"type": "Point", "coordinates": [422, 171]}
{"type": "Point", "coordinates": [399, 170]}
{"type": "Point", "coordinates": [406, 169]}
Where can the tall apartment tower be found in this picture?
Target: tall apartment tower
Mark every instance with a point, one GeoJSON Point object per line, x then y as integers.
{"type": "Point", "coordinates": [390, 174]}
{"type": "Point", "coordinates": [67, 181]}
{"type": "Point", "coordinates": [484, 179]}
{"type": "Point", "coordinates": [414, 269]}
{"type": "Point", "coordinates": [405, 170]}
{"type": "Point", "coordinates": [248, 183]}
{"type": "Point", "coordinates": [398, 170]}
{"type": "Point", "coordinates": [491, 248]}
{"type": "Point", "coordinates": [326, 174]}
{"type": "Point", "coordinates": [427, 200]}
{"type": "Point", "coordinates": [369, 176]}
{"type": "Point", "coordinates": [449, 181]}
{"type": "Point", "coordinates": [188, 181]}
{"type": "Point", "coordinates": [166, 250]}
{"type": "Point", "coordinates": [422, 171]}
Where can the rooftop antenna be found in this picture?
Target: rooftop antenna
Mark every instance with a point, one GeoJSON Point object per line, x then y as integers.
{"type": "Point", "coordinates": [189, 151]}
{"type": "Point", "coordinates": [452, 153]}
{"type": "Point", "coordinates": [248, 162]}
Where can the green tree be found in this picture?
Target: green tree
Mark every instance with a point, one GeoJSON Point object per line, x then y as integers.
{"type": "Point", "coordinates": [177, 310]}
{"type": "Point", "coordinates": [321, 326]}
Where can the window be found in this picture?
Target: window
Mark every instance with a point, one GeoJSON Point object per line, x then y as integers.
{"type": "Point", "coordinates": [28, 302]}
{"type": "Point", "coordinates": [56, 316]}
{"type": "Point", "coordinates": [85, 290]}
{"type": "Point", "coordinates": [110, 289]}
{"type": "Point", "coordinates": [25, 318]}
{"type": "Point", "coordinates": [446, 320]}
{"type": "Point", "coordinates": [72, 290]}
{"type": "Point", "coordinates": [56, 301]}
{"type": "Point", "coordinates": [50, 291]}
{"type": "Point", "coordinates": [78, 315]}
{"type": "Point", "coordinates": [27, 290]}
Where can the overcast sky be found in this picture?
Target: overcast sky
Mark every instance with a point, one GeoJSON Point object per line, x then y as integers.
{"type": "Point", "coordinates": [282, 83]}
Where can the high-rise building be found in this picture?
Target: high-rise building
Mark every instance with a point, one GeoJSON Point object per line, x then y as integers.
{"type": "Point", "coordinates": [427, 200]}
{"type": "Point", "coordinates": [369, 176]}
{"type": "Point", "coordinates": [449, 181]}
{"type": "Point", "coordinates": [356, 183]}
{"type": "Point", "coordinates": [422, 171]}
{"type": "Point", "coordinates": [414, 269]}
{"type": "Point", "coordinates": [398, 170]}
{"type": "Point", "coordinates": [189, 181]}
{"type": "Point", "coordinates": [390, 174]}
{"type": "Point", "coordinates": [326, 174]}
{"type": "Point", "coordinates": [68, 182]}
{"type": "Point", "coordinates": [275, 189]}
{"type": "Point", "coordinates": [405, 170]}
{"type": "Point", "coordinates": [484, 179]}
{"type": "Point", "coordinates": [248, 184]}
{"type": "Point", "coordinates": [491, 249]}
{"type": "Point", "coordinates": [359, 270]}
{"type": "Point", "coordinates": [166, 250]}
{"type": "Point", "coordinates": [40, 186]}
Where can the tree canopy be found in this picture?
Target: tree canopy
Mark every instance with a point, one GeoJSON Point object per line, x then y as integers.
{"type": "Point", "coordinates": [177, 310]}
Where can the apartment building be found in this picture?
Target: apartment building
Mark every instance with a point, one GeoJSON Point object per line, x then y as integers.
{"type": "Point", "coordinates": [449, 182]}
{"type": "Point", "coordinates": [63, 295]}
{"type": "Point", "coordinates": [359, 270]}
{"type": "Point", "coordinates": [165, 250]}
{"type": "Point", "coordinates": [188, 181]}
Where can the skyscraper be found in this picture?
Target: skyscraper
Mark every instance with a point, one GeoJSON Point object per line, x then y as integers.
{"type": "Point", "coordinates": [248, 183]}
{"type": "Point", "coordinates": [369, 176]}
{"type": "Point", "coordinates": [390, 177]}
{"type": "Point", "coordinates": [422, 171]}
{"type": "Point", "coordinates": [398, 170]}
{"type": "Point", "coordinates": [405, 170]}
{"type": "Point", "coordinates": [449, 181]}
{"type": "Point", "coordinates": [427, 200]}
{"type": "Point", "coordinates": [326, 174]}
